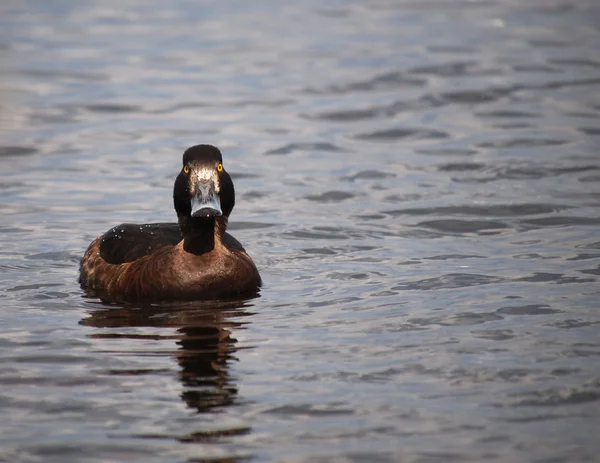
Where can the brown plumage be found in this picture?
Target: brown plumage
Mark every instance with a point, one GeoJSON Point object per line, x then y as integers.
{"type": "Point", "coordinates": [194, 259]}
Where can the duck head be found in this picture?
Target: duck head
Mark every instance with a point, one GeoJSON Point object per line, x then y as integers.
{"type": "Point", "coordinates": [203, 189]}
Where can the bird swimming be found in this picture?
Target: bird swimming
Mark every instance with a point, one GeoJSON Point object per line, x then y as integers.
{"type": "Point", "coordinates": [193, 259]}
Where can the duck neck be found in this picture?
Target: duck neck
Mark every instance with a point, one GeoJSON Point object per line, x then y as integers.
{"type": "Point", "coordinates": [201, 235]}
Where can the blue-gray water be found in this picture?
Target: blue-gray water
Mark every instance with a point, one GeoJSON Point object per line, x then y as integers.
{"type": "Point", "coordinates": [418, 183]}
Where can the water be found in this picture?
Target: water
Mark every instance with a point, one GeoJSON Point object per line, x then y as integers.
{"type": "Point", "coordinates": [418, 183]}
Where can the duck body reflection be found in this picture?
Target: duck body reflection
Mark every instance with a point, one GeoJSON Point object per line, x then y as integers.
{"type": "Point", "coordinates": [201, 334]}
{"type": "Point", "coordinates": [204, 355]}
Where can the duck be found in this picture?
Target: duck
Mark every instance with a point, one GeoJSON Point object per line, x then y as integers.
{"type": "Point", "coordinates": [193, 259]}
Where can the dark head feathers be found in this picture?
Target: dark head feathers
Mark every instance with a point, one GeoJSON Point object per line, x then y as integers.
{"type": "Point", "coordinates": [202, 153]}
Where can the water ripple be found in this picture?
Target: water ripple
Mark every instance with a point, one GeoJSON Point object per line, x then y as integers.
{"type": "Point", "coordinates": [402, 134]}
{"type": "Point", "coordinates": [449, 281]}
{"type": "Point", "coordinates": [290, 148]}
{"type": "Point", "coordinates": [386, 81]}
{"type": "Point", "coordinates": [491, 210]}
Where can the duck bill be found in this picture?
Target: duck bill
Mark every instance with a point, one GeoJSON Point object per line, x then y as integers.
{"type": "Point", "coordinates": [206, 202]}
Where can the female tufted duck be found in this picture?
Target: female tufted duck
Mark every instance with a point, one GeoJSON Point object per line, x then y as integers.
{"type": "Point", "coordinates": [193, 259]}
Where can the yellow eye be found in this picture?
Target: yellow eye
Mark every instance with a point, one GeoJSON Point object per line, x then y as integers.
{"type": "Point", "coordinates": [186, 170]}
{"type": "Point", "coordinates": [220, 167]}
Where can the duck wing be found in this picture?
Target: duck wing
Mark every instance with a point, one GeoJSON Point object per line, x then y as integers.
{"type": "Point", "coordinates": [128, 242]}
{"type": "Point", "coordinates": [232, 243]}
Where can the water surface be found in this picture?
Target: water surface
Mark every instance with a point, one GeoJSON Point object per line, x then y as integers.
{"type": "Point", "coordinates": [418, 183]}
